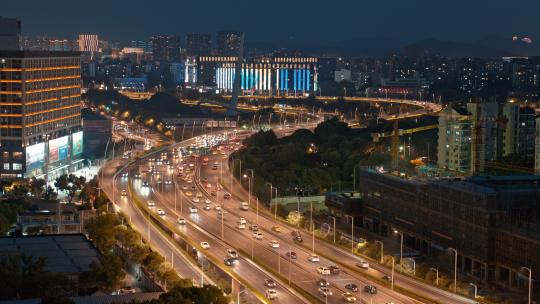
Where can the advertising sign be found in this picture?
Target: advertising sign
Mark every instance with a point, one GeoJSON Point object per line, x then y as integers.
{"type": "Point", "coordinates": [58, 149]}
{"type": "Point", "coordinates": [77, 143]}
{"type": "Point", "coordinates": [35, 156]}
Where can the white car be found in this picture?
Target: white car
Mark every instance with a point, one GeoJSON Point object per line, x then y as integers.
{"type": "Point", "coordinates": [168, 182]}
{"type": "Point", "coordinates": [231, 253]}
{"type": "Point", "coordinates": [323, 270]}
{"type": "Point", "coordinates": [274, 244]}
{"type": "Point", "coordinates": [125, 174]}
{"type": "Point", "coordinates": [199, 194]}
{"type": "Point", "coordinates": [271, 294]}
{"type": "Point", "coordinates": [196, 200]}
{"type": "Point", "coordinates": [257, 235]}
{"type": "Point", "coordinates": [192, 210]}
{"type": "Point", "coordinates": [205, 245]}
{"type": "Point", "coordinates": [217, 207]}
{"type": "Point", "coordinates": [160, 212]}
{"type": "Point", "coordinates": [207, 201]}
{"type": "Point", "coordinates": [314, 258]}
{"type": "Point", "coordinates": [181, 221]}
{"type": "Point", "coordinates": [325, 291]}
{"type": "Point", "coordinates": [242, 220]}
{"type": "Point", "coordinates": [151, 204]}
{"type": "Point", "coordinates": [241, 226]}
{"type": "Point", "coordinates": [207, 207]}
{"type": "Point", "coordinates": [362, 264]}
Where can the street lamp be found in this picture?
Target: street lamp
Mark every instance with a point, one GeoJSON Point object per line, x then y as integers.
{"type": "Point", "coordinates": [382, 250]}
{"type": "Point", "coordinates": [475, 289]}
{"type": "Point", "coordinates": [436, 275]}
{"type": "Point", "coordinates": [238, 295]}
{"type": "Point", "coordinates": [455, 267]}
{"type": "Point", "coordinates": [334, 229]}
{"type": "Point", "coordinates": [528, 269]}
{"type": "Point", "coordinates": [393, 265]}
{"type": "Point", "coordinates": [312, 228]}
{"type": "Point", "coordinates": [352, 232]}
{"type": "Point", "coordinates": [401, 250]}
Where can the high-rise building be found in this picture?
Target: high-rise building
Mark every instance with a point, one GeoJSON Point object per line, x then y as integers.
{"type": "Point", "coordinates": [166, 48]}
{"type": "Point", "coordinates": [10, 34]}
{"type": "Point", "coordinates": [526, 133]}
{"type": "Point", "coordinates": [198, 44]}
{"type": "Point", "coordinates": [228, 42]}
{"type": "Point", "coordinates": [143, 44]}
{"type": "Point", "coordinates": [454, 145]}
{"type": "Point", "coordinates": [178, 72]}
{"type": "Point", "coordinates": [88, 43]}
{"type": "Point", "coordinates": [537, 147]}
{"type": "Point", "coordinates": [190, 77]}
{"type": "Point", "coordinates": [40, 121]}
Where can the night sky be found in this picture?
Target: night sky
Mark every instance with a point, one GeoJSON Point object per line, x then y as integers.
{"type": "Point", "coordinates": [312, 22]}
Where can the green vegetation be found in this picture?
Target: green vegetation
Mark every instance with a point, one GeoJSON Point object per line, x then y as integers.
{"type": "Point", "coordinates": [207, 294]}
{"type": "Point", "coordinates": [309, 162]}
{"type": "Point", "coordinates": [23, 277]}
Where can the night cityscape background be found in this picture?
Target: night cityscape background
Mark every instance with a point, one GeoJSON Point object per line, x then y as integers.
{"type": "Point", "coordinates": [284, 152]}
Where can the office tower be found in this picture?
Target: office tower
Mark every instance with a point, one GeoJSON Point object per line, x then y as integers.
{"type": "Point", "coordinates": [178, 72]}
{"type": "Point", "coordinates": [166, 48]}
{"type": "Point", "coordinates": [198, 44]}
{"type": "Point", "coordinates": [190, 77]}
{"type": "Point", "coordinates": [88, 43]}
{"type": "Point", "coordinates": [40, 122]}
{"type": "Point", "coordinates": [143, 44]}
{"type": "Point", "coordinates": [229, 42]}
{"type": "Point", "coordinates": [10, 34]}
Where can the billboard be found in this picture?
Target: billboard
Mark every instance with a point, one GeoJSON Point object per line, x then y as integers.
{"type": "Point", "coordinates": [77, 143]}
{"type": "Point", "coordinates": [35, 156]}
{"type": "Point", "coordinates": [58, 149]}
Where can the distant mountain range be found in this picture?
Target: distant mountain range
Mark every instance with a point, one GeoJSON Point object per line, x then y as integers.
{"type": "Point", "coordinates": [488, 47]}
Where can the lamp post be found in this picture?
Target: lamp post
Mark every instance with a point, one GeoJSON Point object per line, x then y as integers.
{"type": "Point", "coordinates": [475, 289]}
{"type": "Point", "coordinates": [249, 187]}
{"type": "Point", "coordinates": [312, 227]}
{"type": "Point", "coordinates": [436, 275]}
{"type": "Point", "coordinates": [239, 170]}
{"type": "Point", "coordinates": [529, 270]}
{"type": "Point", "coordinates": [238, 295]}
{"type": "Point", "coordinates": [334, 229]}
{"type": "Point", "coordinates": [352, 232]}
{"type": "Point", "coordinates": [400, 251]}
{"type": "Point", "coordinates": [276, 204]}
{"type": "Point", "coordinates": [382, 250]}
{"type": "Point", "coordinates": [393, 265]}
{"type": "Point", "coordinates": [455, 267]}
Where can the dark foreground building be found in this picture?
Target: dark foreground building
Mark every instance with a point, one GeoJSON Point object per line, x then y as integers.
{"type": "Point", "coordinates": [493, 222]}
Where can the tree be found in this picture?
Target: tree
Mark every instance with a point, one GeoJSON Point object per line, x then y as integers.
{"type": "Point", "coordinates": [153, 262]}
{"type": "Point", "coordinates": [207, 294]}
{"type": "Point", "coordinates": [37, 186]}
{"type": "Point", "coordinates": [70, 184]}
{"type": "Point", "coordinates": [102, 232]}
{"type": "Point", "coordinates": [108, 273]}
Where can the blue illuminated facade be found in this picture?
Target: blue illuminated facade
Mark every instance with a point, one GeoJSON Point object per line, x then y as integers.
{"type": "Point", "coordinates": [263, 75]}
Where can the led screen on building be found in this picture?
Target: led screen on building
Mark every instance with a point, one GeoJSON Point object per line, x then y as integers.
{"type": "Point", "coordinates": [35, 156]}
{"type": "Point", "coordinates": [58, 149]}
{"type": "Point", "coordinates": [77, 143]}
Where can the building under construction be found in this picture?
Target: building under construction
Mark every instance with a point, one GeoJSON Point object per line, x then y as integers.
{"type": "Point", "coordinates": [493, 222]}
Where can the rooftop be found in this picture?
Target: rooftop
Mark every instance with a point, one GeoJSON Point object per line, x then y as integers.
{"type": "Point", "coordinates": [65, 253]}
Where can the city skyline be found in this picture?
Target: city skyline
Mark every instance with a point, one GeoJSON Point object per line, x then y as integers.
{"type": "Point", "coordinates": [359, 24]}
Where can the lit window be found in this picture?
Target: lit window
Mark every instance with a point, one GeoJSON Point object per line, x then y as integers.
{"type": "Point", "coordinates": [6, 166]}
{"type": "Point", "coordinates": [17, 166]}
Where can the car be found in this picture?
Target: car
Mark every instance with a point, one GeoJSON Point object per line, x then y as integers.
{"type": "Point", "coordinates": [168, 182]}
{"type": "Point", "coordinates": [253, 227]}
{"type": "Point", "coordinates": [387, 278]}
{"type": "Point", "coordinates": [276, 228]}
{"type": "Point", "coordinates": [125, 174]}
{"type": "Point", "coordinates": [314, 258]}
{"type": "Point", "coordinates": [193, 188]}
{"type": "Point", "coordinates": [207, 201]}
{"type": "Point", "coordinates": [348, 297]}
{"type": "Point", "coordinates": [227, 196]}
{"type": "Point", "coordinates": [189, 181]}
{"type": "Point", "coordinates": [123, 193]}
{"type": "Point", "coordinates": [257, 235]}
{"type": "Point", "coordinates": [205, 245]}
{"type": "Point", "coordinates": [371, 289]}
{"type": "Point", "coordinates": [352, 287]}
{"type": "Point", "coordinates": [160, 212]}
{"type": "Point", "coordinates": [244, 206]}
{"type": "Point", "coordinates": [325, 291]}
{"type": "Point", "coordinates": [199, 195]}
{"type": "Point", "coordinates": [205, 180]}
{"type": "Point", "coordinates": [240, 226]}
{"type": "Point", "coordinates": [274, 244]}
{"type": "Point", "coordinates": [137, 175]}
{"type": "Point", "coordinates": [151, 203]}
{"type": "Point", "coordinates": [323, 283]}
{"type": "Point", "coordinates": [189, 193]}
{"type": "Point", "coordinates": [271, 294]}
{"type": "Point", "coordinates": [242, 221]}
{"type": "Point", "coordinates": [181, 221]}
{"type": "Point", "coordinates": [207, 207]}
{"type": "Point", "coordinates": [323, 270]}
{"type": "Point", "coordinates": [292, 255]}
{"type": "Point", "coordinates": [218, 207]}
{"type": "Point", "coordinates": [145, 184]}
{"type": "Point", "coordinates": [362, 264]}
{"type": "Point", "coordinates": [270, 283]}
{"type": "Point", "coordinates": [184, 187]}
{"type": "Point", "coordinates": [334, 269]}
{"type": "Point", "coordinates": [127, 290]}
{"type": "Point", "coordinates": [229, 261]}
{"type": "Point", "coordinates": [231, 253]}
{"type": "Point", "coordinates": [208, 185]}
{"type": "Point", "coordinates": [192, 210]}
{"type": "Point", "coordinates": [196, 200]}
